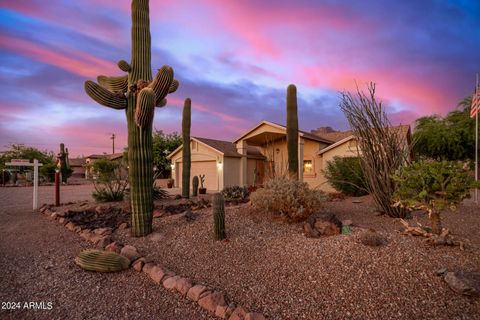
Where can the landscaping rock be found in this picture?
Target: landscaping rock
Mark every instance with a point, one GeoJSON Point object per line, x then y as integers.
{"type": "Point", "coordinates": [102, 208]}
{"type": "Point", "coordinates": [86, 235]}
{"type": "Point", "coordinates": [156, 274]}
{"type": "Point", "coordinates": [123, 226]}
{"type": "Point", "coordinates": [238, 314]}
{"type": "Point", "coordinates": [195, 292]}
{"type": "Point", "coordinates": [138, 264]}
{"type": "Point", "coordinates": [211, 301]}
{"type": "Point", "coordinates": [103, 231]}
{"type": "Point", "coordinates": [371, 238]}
{"type": "Point", "coordinates": [157, 213]}
{"type": "Point", "coordinates": [103, 242]}
{"type": "Point", "coordinates": [221, 312]}
{"type": "Point", "coordinates": [114, 247]}
{"type": "Point", "coordinates": [94, 238]}
{"type": "Point", "coordinates": [347, 222]}
{"type": "Point", "coordinates": [466, 283]}
{"type": "Point", "coordinates": [183, 285]}
{"type": "Point", "coordinates": [148, 267]}
{"type": "Point", "coordinates": [130, 252]}
{"type": "Point", "coordinates": [309, 231]}
{"type": "Point", "coordinates": [155, 236]}
{"type": "Point", "coordinates": [62, 221]}
{"type": "Point", "coordinates": [70, 226]}
{"type": "Point", "coordinates": [254, 316]}
{"type": "Point", "coordinates": [322, 224]}
{"type": "Point", "coordinates": [171, 282]}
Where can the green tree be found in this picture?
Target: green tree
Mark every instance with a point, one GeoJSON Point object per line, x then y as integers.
{"type": "Point", "coordinates": [345, 175]}
{"type": "Point", "coordinates": [20, 151]}
{"type": "Point", "coordinates": [449, 138]}
{"type": "Point", "coordinates": [163, 145]}
{"type": "Point", "coordinates": [432, 186]}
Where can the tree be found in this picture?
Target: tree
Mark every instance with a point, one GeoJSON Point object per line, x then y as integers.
{"type": "Point", "coordinates": [345, 175]}
{"type": "Point", "coordinates": [449, 138]}
{"type": "Point", "coordinates": [137, 94]}
{"type": "Point", "coordinates": [381, 149]}
{"type": "Point", "coordinates": [163, 145]}
{"type": "Point", "coordinates": [432, 186]}
{"type": "Point", "coordinates": [20, 151]}
{"type": "Point", "coordinates": [110, 182]}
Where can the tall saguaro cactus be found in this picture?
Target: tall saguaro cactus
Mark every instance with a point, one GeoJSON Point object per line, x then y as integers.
{"type": "Point", "coordinates": [64, 166]}
{"type": "Point", "coordinates": [292, 131]}
{"type": "Point", "coordinates": [186, 154]}
{"type": "Point", "coordinates": [138, 95]}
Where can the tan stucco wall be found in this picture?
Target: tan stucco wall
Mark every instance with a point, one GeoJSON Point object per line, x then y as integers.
{"type": "Point", "coordinates": [310, 149]}
{"type": "Point", "coordinates": [264, 128]}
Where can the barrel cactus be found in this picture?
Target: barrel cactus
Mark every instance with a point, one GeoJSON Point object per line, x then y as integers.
{"type": "Point", "coordinates": [101, 261]}
{"type": "Point", "coordinates": [186, 154]}
{"type": "Point", "coordinates": [292, 131]}
{"type": "Point", "coordinates": [138, 94]}
{"type": "Point", "coordinates": [218, 206]}
{"type": "Point", "coordinates": [194, 186]}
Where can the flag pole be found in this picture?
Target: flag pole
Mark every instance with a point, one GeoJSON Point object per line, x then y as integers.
{"type": "Point", "coordinates": [476, 140]}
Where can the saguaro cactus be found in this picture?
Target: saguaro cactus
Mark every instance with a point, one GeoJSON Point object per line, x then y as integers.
{"type": "Point", "coordinates": [186, 156]}
{"type": "Point", "coordinates": [292, 131]}
{"type": "Point", "coordinates": [63, 158]}
{"type": "Point", "coordinates": [101, 261]}
{"type": "Point", "coordinates": [138, 95]}
{"type": "Point", "coordinates": [218, 207]}
{"type": "Point", "coordinates": [194, 186]}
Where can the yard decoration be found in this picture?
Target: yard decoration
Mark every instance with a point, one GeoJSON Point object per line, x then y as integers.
{"type": "Point", "coordinates": [186, 156]}
{"type": "Point", "coordinates": [292, 131]}
{"type": "Point", "coordinates": [194, 186]}
{"type": "Point", "coordinates": [218, 206]}
{"type": "Point", "coordinates": [101, 261]}
{"type": "Point", "coordinates": [432, 186]}
{"type": "Point", "coordinates": [202, 189]}
{"type": "Point", "coordinates": [137, 94]}
{"type": "Point", "coordinates": [382, 150]}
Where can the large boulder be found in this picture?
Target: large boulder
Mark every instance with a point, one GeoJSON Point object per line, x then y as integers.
{"type": "Point", "coordinates": [322, 224]}
{"type": "Point", "coordinates": [466, 283]}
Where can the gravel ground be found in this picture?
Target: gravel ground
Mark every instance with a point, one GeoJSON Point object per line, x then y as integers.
{"type": "Point", "coordinates": [270, 267]}
{"type": "Point", "coordinates": [36, 263]}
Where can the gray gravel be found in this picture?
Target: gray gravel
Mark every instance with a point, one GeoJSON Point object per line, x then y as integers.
{"type": "Point", "coordinates": [36, 263]}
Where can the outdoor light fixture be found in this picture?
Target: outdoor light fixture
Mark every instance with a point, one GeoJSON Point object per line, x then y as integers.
{"type": "Point", "coordinates": [219, 165]}
{"type": "Point", "coordinates": [172, 166]}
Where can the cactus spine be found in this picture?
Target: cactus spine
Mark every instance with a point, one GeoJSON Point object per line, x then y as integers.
{"type": "Point", "coordinates": [218, 206]}
{"type": "Point", "coordinates": [186, 154]}
{"type": "Point", "coordinates": [194, 186]}
{"type": "Point", "coordinates": [101, 261]}
{"type": "Point", "coordinates": [292, 131]}
{"type": "Point", "coordinates": [138, 95]}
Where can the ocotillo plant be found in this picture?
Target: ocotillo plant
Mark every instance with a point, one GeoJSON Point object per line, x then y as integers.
{"type": "Point", "coordinates": [63, 158]}
{"type": "Point", "coordinates": [138, 95]}
{"type": "Point", "coordinates": [292, 131]}
{"type": "Point", "coordinates": [218, 207]}
{"type": "Point", "coordinates": [186, 156]}
{"type": "Point", "coordinates": [194, 186]}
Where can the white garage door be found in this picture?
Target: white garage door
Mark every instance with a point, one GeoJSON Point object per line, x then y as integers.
{"type": "Point", "coordinates": [208, 168]}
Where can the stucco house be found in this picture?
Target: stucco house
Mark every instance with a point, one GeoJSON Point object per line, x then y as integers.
{"type": "Point", "coordinates": [261, 152]}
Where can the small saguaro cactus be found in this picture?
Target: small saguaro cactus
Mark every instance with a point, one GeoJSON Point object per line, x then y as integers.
{"type": "Point", "coordinates": [138, 94]}
{"type": "Point", "coordinates": [194, 186]}
{"type": "Point", "coordinates": [218, 207]}
{"type": "Point", "coordinates": [186, 154]}
{"type": "Point", "coordinates": [101, 261]}
{"type": "Point", "coordinates": [63, 158]}
{"type": "Point", "coordinates": [292, 131]}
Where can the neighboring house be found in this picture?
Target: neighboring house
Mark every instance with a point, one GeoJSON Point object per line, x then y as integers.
{"type": "Point", "coordinates": [88, 165]}
{"type": "Point", "coordinates": [261, 153]}
{"type": "Point", "coordinates": [78, 167]}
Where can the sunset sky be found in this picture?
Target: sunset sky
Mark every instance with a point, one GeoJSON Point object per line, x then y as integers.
{"type": "Point", "coordinates": [234, 59]}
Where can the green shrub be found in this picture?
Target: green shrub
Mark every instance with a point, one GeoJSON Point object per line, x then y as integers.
{"type": "Point", "coordinates": [110, 183]}
{"type": "Point", "coordinates": [287, 198]}
{"type": "Point", "coordinates": [345, 175]}
{"type": "Point", "coordinates": [432, 186]}
{"type": "Point", "coordinates": [235, 193]}
{"type": "Point", "coordinates": [48, 171]}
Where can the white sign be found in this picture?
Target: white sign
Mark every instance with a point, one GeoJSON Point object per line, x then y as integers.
{"type": "Point", "coordinates": [35, 166]}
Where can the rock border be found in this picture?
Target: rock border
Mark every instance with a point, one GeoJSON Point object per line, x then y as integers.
{"type": "Point", "coordinates": [205, 296]}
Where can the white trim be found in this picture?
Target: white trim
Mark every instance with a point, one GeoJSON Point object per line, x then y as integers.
{"type": "Point", "coordinates": [257, 126]}
{"type": "Point", "coordinates": [336, 144]}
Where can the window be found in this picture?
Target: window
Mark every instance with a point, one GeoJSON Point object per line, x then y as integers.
{"type": "Point", "coordinates": [307, 166]}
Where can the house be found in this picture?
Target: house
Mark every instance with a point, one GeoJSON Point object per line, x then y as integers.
{"type": "Point", "coordinates": [88, 165]}
{"type": "Point", "coordinates": [261, 153]}
{"type": "Point", "coordinates": [78, 167]}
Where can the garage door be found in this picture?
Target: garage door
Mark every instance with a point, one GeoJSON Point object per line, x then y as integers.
{"type": "Point", "coordinates": [208, 168]}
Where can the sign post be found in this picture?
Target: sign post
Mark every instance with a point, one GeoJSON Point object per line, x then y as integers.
{"type": "Point", "coordinates": [35, 165]}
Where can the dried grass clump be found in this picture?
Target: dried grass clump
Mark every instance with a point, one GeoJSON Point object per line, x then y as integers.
{"type": "Point", "coordinates": [288, 198]}
{"type": "Point", "coordinates": [371, 238]}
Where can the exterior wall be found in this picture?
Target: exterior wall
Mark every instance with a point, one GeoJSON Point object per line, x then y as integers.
{"type": "Point", "coordinates": [262, 129]}
{"type": "Point", "coordinates": [251, 165]}
{"type": "Point", "coordinates": [231, 172]}
{"type": "Point", "coordinates": [347, 149]}
{"type": "Point", "coordinates": [310, 149]}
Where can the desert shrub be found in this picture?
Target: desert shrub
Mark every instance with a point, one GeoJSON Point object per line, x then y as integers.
{"type": "Point", "coordinates": [110, 183]}
{"type": "Point", "coordinates": [287, 198]}
{"type": "Point", "coordinates": [432, 186]}
{"type": "Point", "coordinates": [158, 192]}
{"type": "Point", "coordinates": [235, 193]}
{"type": "Point", "coordinates": [48, 171]}
{"type": "Point", "coordinates": [345, 175]}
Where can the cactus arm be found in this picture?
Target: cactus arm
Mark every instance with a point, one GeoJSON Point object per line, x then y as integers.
{"type": "Point", "coordinates": [124, 66]}
{"type": "Point", "coordinates": [162, 82]}
{"type": "Point", "coordinates": [104, 96]}
{"type": "Point", "coordinates": [173, 86]}
{"type": "Point", "coordinates": [101, 261]}
{"type": "Point", "coordinates": [113, 84]}
{"type": "Point", "coordinates": [145, 108]}
{"type": "Point", "coordinates": [161, 104]}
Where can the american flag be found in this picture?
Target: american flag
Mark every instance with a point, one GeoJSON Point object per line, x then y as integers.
{"type": "Point", "coordinates": [475, 104]}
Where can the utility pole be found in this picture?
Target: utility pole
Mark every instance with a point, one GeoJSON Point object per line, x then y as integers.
{"type": "Point", "coordinates": [113, 142]}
